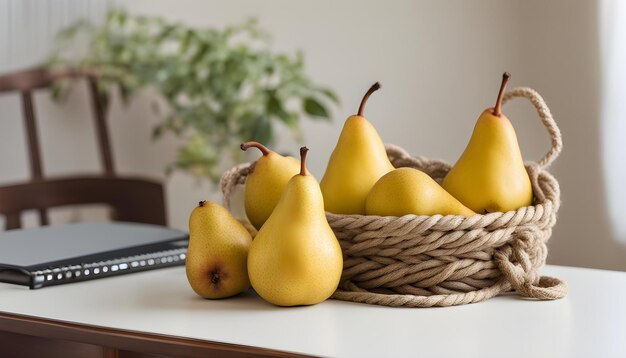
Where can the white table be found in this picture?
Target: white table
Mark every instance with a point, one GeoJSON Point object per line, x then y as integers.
{"type": "Point", "coordinates": [589, 322]}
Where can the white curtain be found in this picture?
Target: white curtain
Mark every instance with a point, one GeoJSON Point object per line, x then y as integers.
{"type": "Point", "coordinates": [613, 51]}
{"type": "Point", "coordinates": [27, 27]}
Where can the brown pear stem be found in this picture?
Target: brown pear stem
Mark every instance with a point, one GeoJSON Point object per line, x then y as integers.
{"type": "Point", "coordinates": [261, 147]}
{"type": "Point", "coordinates": [303, 152]}
{"type": "Point", "coordinates": [375, 87]}
{"type": "Point", "coordinates": [497, 109]}
{"type": "Point", "coordinates": [201, 202]}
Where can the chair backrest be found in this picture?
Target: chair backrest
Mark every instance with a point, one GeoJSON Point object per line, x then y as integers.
{"type": "Point", "coordinates": [132, 199]}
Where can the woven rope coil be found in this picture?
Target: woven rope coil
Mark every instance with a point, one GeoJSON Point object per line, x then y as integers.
{"type": "Point", "coordinates": [426, 261]}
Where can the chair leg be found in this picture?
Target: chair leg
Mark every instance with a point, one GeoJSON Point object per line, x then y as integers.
{"type": "Point", "coordinates": [31, 135]}
{"type": "Point", "coordinates": [13, 221]}
{"type": "Point", "coordinates": [43, 217]}
{"type": "Point", "coordinates": [101, 127]}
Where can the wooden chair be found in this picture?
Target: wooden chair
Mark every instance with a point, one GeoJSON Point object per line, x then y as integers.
{"type": "Point", "coordinates": [131, 199]}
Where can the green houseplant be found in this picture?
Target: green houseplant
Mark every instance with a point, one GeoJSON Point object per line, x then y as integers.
{"type": "Point", "coordinates": [221, 86]}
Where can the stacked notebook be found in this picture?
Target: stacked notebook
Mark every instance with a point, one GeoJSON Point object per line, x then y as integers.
{"type": "Point", "coordinates": [54, 255]}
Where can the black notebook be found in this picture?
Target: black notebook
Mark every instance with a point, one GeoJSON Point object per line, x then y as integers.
{"type": "Point", "coordinates": [54, 255]}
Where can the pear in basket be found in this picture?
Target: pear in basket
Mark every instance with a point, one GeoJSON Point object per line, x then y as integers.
{"type": "Point", "coordinates": [490, 174]}
{"type": "Point", "coordinates": [265, 184]}
{"type": "Point", "coordinates": [410, 191]}
{"type": "Point", "coordinates": [358, 161]}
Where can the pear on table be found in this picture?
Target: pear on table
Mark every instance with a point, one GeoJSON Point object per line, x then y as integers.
{"type": "Point", "coordinates": [410, 191]}
{"type": "Point", "coordinates": [266, 183]}
{"type": "Point", "coordinates": [357, 162]}
{"type": "Point", "coordinates": [490, 175]}
{"type": "Point", "coordinates": [216, 263]}
{"type": "Point", "coordinates": [295, 259]}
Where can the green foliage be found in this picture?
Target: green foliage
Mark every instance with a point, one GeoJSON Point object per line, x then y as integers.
{"type": "Point", "coordinates": [222, 87]}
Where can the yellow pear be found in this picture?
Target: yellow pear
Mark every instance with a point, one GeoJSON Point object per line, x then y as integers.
{"type": "Point", "coordinates": [358, 161]}
{"type": "Point", "coordinates": [266, 183]}
{"type": "Point", "coordinates": [216, 263]}
{"type": "Point", "coordinates": [490, 175]}
{"type": "Point", "coordinates": [410, 191]}
{"type": "Point", "coordinates": [295, 259]}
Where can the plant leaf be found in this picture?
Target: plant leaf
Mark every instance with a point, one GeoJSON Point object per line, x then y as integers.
{"type": "Point", "coordinates": [330, 95]}
{"type": "Point", "coordinates": [262, 131]}
{"type": "Point", "coordinates": [315, 108]}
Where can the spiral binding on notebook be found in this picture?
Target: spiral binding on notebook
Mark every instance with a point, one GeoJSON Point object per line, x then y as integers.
{"type": "Point", "coordinates": [92, 270]}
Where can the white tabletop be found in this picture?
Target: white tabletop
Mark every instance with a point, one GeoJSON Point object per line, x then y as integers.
{"type": "Point", "coordinates": [589, 322]}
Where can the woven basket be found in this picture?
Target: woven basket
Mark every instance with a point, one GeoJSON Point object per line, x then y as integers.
{"type": "Point", "coordinates": [426, 261]}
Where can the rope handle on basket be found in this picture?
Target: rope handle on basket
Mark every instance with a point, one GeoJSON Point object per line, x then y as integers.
{"type": "Point", "coordinates": [231, 178]}
{"type": "Point", "coordinates": [546, 118]}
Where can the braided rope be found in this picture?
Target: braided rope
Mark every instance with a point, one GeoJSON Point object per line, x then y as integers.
{"type": "Point", "coordinates": [546, 118]}
{"type": "Point", "coordinates": [426, 261]}
{"type": "Point", "coordinates": [233, 177]}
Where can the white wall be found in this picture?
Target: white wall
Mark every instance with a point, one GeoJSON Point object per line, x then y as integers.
{"type": "Point", "coordinates": [440, 65]}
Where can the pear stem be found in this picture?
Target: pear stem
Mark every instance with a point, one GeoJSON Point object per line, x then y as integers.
{"type": "Point", "coordinates": [244, 146]}
{"type": "Point", "coordinates": [201, 202]}
{"type": "Point", "coordinates": [497, 109]}
{"type": "Point", "coordinates": [303, 152]}
{"type": "Point", "coordinates": [375, 87]}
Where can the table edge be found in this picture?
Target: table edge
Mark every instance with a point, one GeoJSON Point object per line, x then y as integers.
{"type": "Point", "coordinates": [129, 340]}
